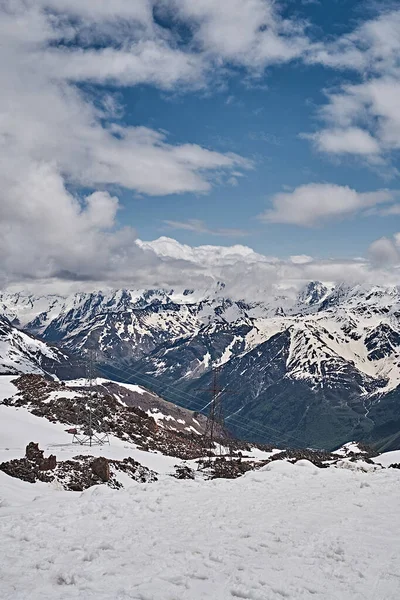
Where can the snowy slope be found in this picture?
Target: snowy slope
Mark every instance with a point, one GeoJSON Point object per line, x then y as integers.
{"type": "Point", "coordinates": [21, 353]}
{"type": "Point", "coordinates": [18, 427]}
{"type": "Point", "coordinates": [294, 532]}
{"type": "Point", "coordinates": [284, 531]}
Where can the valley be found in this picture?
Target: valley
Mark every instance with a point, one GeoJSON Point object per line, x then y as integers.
{"type": "Point", "coordinates": [313, 369]}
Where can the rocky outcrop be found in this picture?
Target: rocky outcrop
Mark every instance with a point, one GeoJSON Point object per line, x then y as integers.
{"type": "Point", "coordinates": [36, 456]}
{"type": "Point", "coordinates": [77, 474]}
{"type": "Point", "coordinates": [33, 467]}
{"type": "Point", "coordinates": [183, 472]}
{"type": "Point", "coordinates": [223, 468]}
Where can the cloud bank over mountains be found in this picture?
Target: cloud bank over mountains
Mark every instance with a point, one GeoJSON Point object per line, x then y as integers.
{"type": "Point", "coordinates": [167, 264]}
{"type": "Point", "coordinates": [62, 130]}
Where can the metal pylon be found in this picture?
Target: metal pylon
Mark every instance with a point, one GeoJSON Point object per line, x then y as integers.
{"type": "Point", "coordinates": [90, 429]}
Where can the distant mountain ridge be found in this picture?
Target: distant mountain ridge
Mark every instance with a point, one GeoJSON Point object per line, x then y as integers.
{"type": "Point", "coordinates": [22, 353]}
{"type": "Point", "coordinates": [318, 367]}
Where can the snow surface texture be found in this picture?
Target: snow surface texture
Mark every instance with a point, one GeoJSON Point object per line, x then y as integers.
{"type": "Point", "coordinates": [288, 532]}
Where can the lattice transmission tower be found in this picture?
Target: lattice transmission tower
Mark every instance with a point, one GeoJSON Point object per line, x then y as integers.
{"type": "Point", "coordinates": [215, 418]}
{"type": "Point", "coordinates": [91, 428]}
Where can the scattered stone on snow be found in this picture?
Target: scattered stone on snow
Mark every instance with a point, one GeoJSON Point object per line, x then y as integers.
{"type": "Point", "coordinates": [77, 474]}
{"type": "Point", "coordinates": [183, 472]}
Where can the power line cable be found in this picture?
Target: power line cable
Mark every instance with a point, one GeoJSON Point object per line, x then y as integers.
{"type": "Point", "coordinates": [261, 429]}
{"type": "Point", "coordinates": [185, 397]}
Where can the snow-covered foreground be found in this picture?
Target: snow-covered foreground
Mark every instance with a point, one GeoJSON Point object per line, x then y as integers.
{"type": "Point", "coordinates": [284, 532]}
{"type": "Point", "coordinates": [289, 531]}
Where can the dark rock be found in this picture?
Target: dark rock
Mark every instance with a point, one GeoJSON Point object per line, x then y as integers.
{"type": "Point", "coordinates": [100, 467]}
{"type": "Point", "coordinates": [319, 458]}
{"type": "Point", "coordinates": [227, 468]}
{"type": "Point", "coordinates": [32, 452]}
{"type": "Point", "coordinates": [48, 464]}
{"type": "Point", "coordinates": [19, 468]}
{"type": "Point", "coordinates": [78, 474]}
{"type": "Point", "coordinates": [183, 472]}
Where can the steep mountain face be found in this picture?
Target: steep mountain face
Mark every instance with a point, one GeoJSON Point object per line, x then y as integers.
{"type": "Point", "coordinates": [314, 369]}
{"type": "Point", "coordinates": [270, 393]}
{"type": "Point", "coordinates": [21, 353]}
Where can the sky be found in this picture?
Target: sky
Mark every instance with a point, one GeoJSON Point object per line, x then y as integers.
{"type": "Point", "coordinates": [267, 131]}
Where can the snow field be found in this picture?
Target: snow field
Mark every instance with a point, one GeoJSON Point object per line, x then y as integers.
{"type": "Point", "coordinates": [18, 427]}
{"type": "Point", "coordinates": [288, 532]}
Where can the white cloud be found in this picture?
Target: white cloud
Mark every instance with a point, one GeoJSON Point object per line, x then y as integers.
{"type": "Point", "coordinates": [148, 61]}
{"type": "Point", "coordinates": [301, 259]}
{"type": "Point", "coordinates": [165, 263]}
{"type": "Point", "coordinates": [352, 140]}
{"type": "Point", "coordinates": [383, 252]}
{"type": "Point", "coordinates": [363, 118]}
{"type": "Point", "coordinates": [251, 33]}
{"type": "Point", "coordinates": [46, 232]}
{"type": "Point", "coordinates": [373, 46]}
{"type": "Point", "coordinates": [316, 203]}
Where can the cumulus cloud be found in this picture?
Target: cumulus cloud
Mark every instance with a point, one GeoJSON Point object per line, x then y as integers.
{"type": "Point", "coordinates": [301, 259]}
{"type": "Point", "coordinates": [57, 135]}
{"type": "Point", "coordinates": [363, 118]}
{"type": "Point", "coordinates": [373, 46]}
{"type": "Point", "coordinates": [249, 33]}
{"type": "Point", "coordinates": [350, 140]}
{"type": "Point", "coordinates": [384, 252]}
{"type": "Point", "coordinates": [45, 231]}
{"type": "Point", "coordinates": [316, 203]}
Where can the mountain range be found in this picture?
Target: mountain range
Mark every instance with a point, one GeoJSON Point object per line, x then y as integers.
{"type": "Point", "coordinates": [312, 369]}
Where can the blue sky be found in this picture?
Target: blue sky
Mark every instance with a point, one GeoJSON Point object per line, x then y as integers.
{"type": "Point", "coordinates": [271, 125]}
{"type": "Point", "coordinates": [263, 120]}
{"type": "Point", "coordinates": [264, 125]}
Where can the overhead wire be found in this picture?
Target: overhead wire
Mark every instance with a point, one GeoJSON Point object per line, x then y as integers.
{"type": "Point", "coordinates": [185, 398]}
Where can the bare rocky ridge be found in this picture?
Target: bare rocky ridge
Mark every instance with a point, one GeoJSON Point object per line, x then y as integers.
{"type": "Point", "coordinates": [57, 403]}
{"type": "Point", "coordinates": [170, 415]}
